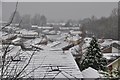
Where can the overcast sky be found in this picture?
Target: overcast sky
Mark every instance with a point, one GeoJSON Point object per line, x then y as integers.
{"type": "Point", "coordinates": [60, 10]}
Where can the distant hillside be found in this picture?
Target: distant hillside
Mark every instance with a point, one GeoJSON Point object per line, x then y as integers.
{"type": "Point", "coordinates": [106, 27]}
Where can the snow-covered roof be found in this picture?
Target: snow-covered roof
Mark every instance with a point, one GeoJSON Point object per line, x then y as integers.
{"type": "Point", "coordinates": [75, 50]}
{"type": "Point", "coordinates": [53, 37]}
{"type": "Point", "coordinates": [55, 43]}
{"type": "Point", "coordinates": [45, 59]}
{"type": "Point", "coordinates": [45, 31]}
{"type": "Point", "coordinates": [38, 40]}
{"type": "Point", "coordinates": [7, 36]}
{"type": "Point", "coordinates": [51, 64]}
{"type": "Point", "coordinates": [75, 38]}
{"type": "Point", "coordinates": [14, 50]}
{"type": "Point", "coordinates": [85, 45]}
{"type": "Point", "coordinates": [45, 27]}
{"type": "Point", "coordinates": [75, 32]}
{"type": "Point", "coordinates": [110, 55]}
{"type": "Point", "coordinates": [54, 46]}
{"type": "Point", "coordinates": [107, 42]}
{"type": "Point", "coordinates": [67, 28]}
{"type": "Point", "coordinates": [34, 26]}
{"type": "Point", "coordinates": [3, 33]}
{"type": "Point", "coordinates": [26, 32]}
{"type": "Point", "coordinates": [60, 45]}
{"type": "Point", "coordinates": [61, 38]}
{"type": "Point", "coordinates": [52, 32]}
{"type": "Point", "coordinates": [90, 73]}
{"type": "Point", "coordinates": [8, 27]}
{"type": "Point", "coordinates": [115, 41]}
{"type": "Point", "coordinates": [114, 61]}
{"type": "Point", "coordinates": [17, 39]}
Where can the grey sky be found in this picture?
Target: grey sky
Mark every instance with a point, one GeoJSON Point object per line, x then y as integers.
{"type": "Point", "coordinates": [60, 10]}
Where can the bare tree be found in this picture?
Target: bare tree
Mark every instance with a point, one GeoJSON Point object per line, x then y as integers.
{"type": "Point", "coordinates": [10, 64]}
{"type": "Point", "coordinates": [43, 20]}
{"type": "Point", "coordinates": [114, 12]}
{"type": "Point", "coordinates": [36, 19]}
{"type": "Point", "coordinates": [16, 19]}
{"type": "Point", "coordinates": [10, 22]}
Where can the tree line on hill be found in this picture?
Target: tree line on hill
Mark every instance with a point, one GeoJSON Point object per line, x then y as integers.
{"type": "Point", "coordinates": [26, 20]}
{"type": "Point", "coordinates": [105, 27]}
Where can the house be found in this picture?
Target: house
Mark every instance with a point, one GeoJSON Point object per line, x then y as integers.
{"type": "Point", "coordinates": [115, 47]}
{"type": "Point", "coordinates": [90, 74]}
{"type": "Point", "coordinates": [7, 39]}
{"type": "Point", "coordinates": [53, 37]}
{"type": "Point", "coordinates": [52, 32]}
{"type": "Point", "coordinates": [76, 51]}
{"type": "Point", "coordinates": [111, 53]}
{"type": "Point", "coordinates": [49, 64]}
{"type": "Point", "coordinates": [111, 48]}
{"type": "Point", "coordinates": [45, 31]}
{"type": "Point", "coordinates": [16, 41]}
{"type": "Point", "coordinates": [27, 34]}
{"type": "Point", "coordinates": [109, 56]}
{"type": "Point", "coordinates": [106, 42]}
{"type": "Point", "coordinates": [67, 47]}
{"type": "Point", "coordinates": [69, 28]}
{"type": "Point", "coordinates": [73, 32]}
{"type": "Point", "coordinates": [34, 26]}
{"type": "Point", "coordinates": [39, 40]}
{"type": "Point", "coordinates": [115, 64]}
{"type": "Point", "coordinates": [45, 27]}
{"type": "Point", "coordinates": [113, 60]}
{"type": "Point", "coordinates": [73, 39]}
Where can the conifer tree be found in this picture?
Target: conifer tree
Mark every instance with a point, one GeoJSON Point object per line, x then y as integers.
{"type": "Point", "coordinates": [93, 57]}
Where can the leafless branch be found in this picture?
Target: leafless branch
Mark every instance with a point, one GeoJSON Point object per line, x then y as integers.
{"type": "Point", "coordinates": [12, 17]}
{"type": "Point", "coordinates": [24, 67]}
{"type": "Point", "coordinates": [11, 69]}
{"type": "Point", "coordinates": [3, 60]}
{"type": "Point", "coordinates": [56, 75]}
{"type": "Point", "coordinates": [9, 62]}
{"type": "Point", "coordinates": [6, 49]}
{"type": "Point", "coordinates": [35, 68]}
{"type": "Point", "coordinates": [46, 73]}
{"type": "Point", "coordinates": [20, 23]}
{"type": "Point", "coordinates": [66, 76]}
{"type": "Point", "coordinates": [71, 75]}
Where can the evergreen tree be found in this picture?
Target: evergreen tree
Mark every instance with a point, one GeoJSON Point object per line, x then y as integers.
{"type": "Point", "coordinates": [93, 57]}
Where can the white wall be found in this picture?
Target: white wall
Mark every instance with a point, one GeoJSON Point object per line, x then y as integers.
{"type": "Point", "coordinates": [115, 50]}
